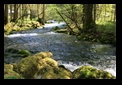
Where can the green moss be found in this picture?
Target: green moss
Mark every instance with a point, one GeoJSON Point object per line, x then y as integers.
{"type": "Point", "coordinates": [44, 54]}
{"type": "Point", "coordinates": [9, 73]}
{"type": "Point", "coordinates": [55, 73]}
{"type": "Point", "coordinates": [30, 66]}
{"type": "Point", "coordinates": [88, 72]}
{"type": "Point", "coordinates": [61, 31]}
{"type": "Point", "coordinates": [41, 65]}
{"type": "Point", "coordinates": [24, 53]}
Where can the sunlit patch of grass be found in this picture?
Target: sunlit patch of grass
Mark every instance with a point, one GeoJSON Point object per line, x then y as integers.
{"type": "Point", "coordinates": [106, 26]}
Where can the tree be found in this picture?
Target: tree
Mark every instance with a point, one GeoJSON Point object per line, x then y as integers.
{"type": "Point", "coordinates": [88, 20]}
{"type": "Point", "coordinates": [115, 14]}
{"type": "Point", "coordinates": [43, 17]}
{"type": "Point", "coordinates": [11, 14]}
{"type": "Point", "coordinates": [6, 14]}
{"type": "Point", "coordinates": [15, 12]}
{"type": "Point", "coordinates": [94, 13]}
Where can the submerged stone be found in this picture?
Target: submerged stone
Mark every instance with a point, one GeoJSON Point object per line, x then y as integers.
{"type": "Point", "coordinates": [24, 53]}
{"type": "Point", "coordinates": [18, 53]}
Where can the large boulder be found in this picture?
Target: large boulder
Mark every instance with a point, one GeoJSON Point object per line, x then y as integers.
{"type": "Point", "coordinates": [41, 66]}
{"type": "Point", "coordinates": [88, 72]}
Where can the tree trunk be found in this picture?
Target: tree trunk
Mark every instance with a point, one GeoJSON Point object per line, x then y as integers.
{"type": "Point", "coordinates": [105, 13]}
{"type": "Point", "coordinates": [69, 28]}
{"type": "Point", "coordinates": [6, 14]}
{"type": "Point", "coordinates": [88, 20]}
{"type": "Point", "coordinates": [11, 14]}
{"type": "Point", "coordinates": [94, 14]}
{"type": "Point", "coordinates": [38, 11]}
{"type": "Point", "coordinates": [23, 12]}
{"type": "Point", "coordinates": [43, 17]}
{"type": "Point", "coordinates": [15, 12]}
{"type": "Point", "coordinates": [115, 14]}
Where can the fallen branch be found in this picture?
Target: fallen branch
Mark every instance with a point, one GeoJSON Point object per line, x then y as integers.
{"type": "Point", "coordinates": [69, 28]}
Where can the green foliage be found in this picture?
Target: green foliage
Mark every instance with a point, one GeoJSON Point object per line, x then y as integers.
{"type": "Point", "coordinates": [105, 33]}
{"type": "Point", "coordinates": [108, 38]}
{"type": "Point", "coordinates": [10, 77]}
{"type": "Point", "coordinates": [106, 27]}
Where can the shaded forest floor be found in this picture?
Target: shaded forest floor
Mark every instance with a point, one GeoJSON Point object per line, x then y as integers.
{"type": "Point", "coordinates": [104, 33]}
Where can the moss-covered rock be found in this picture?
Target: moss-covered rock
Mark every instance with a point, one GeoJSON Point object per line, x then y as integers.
{"type": "Point", "coordinates": [24, 53]}
{"type": "Point", "coordinates": [55, 72]}
{"type": "Point", "coordinates": [61, 31]}
{"type": "Point", "coordinates": [31, 65]}
{"type": "Point", "coordinates": [18, 53]}
{"type": "Point", "coordinates": [44, 54]}
{"type": "Point", "coordinates": [35, 24]}
{"type": "Point", "coordinates": [41, 66]}
{"type": "Point", "coordinates": [9, 73]}
{"type": "Point", "coordinates": [88, 72]}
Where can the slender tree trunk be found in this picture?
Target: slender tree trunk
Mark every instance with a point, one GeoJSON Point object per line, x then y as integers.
{"type": "Point", "coordinates": [115, 14]}
{"type": "Point", "coordinates": [15, 12]}
{"type": "Point", "coordinates": [11, 15]}
{"type": "Point", "coordinates": [38, 11]}
{"type": "Point", "coordinates": [69, 28]}
{"type": "Point", "coordinates": [22, 12]}
{"type": "Point", "coordinates": [6, 14]}
{"type": "Point", "coordinates": [43, 17]}
{"type": "Point", "coordinates": [94, 14]}
{"type": "Point", "coordinates": [105, 13]}
{"type": "Point", "coordinates": [111, 13]}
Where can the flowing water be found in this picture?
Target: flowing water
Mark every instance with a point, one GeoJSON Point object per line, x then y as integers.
{"type": "Point", "coordinates": [65, 48]}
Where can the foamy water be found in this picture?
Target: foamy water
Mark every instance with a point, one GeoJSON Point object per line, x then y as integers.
{"type": "Point", "coordinates": [73, 67]}
{"type": "Point", "coordinates": [22, 35]}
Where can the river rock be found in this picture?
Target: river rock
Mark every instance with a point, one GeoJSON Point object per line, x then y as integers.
{"type": "Point", "coordinates": [17, 53]}
{"type": "Point", "coordinates": [88, 72]}
{"type": "Point", "coordinates": [44, 54]}
{"type": "Point", "coordinates": [41, 66]}
{"type": "Point", "coordinates": [9, 73]}
{"type": "Point", "coordinates": [49, 72]}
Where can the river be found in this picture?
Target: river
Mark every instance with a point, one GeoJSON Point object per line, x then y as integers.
{"type": "Point", "coordinates": [66, 49]}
